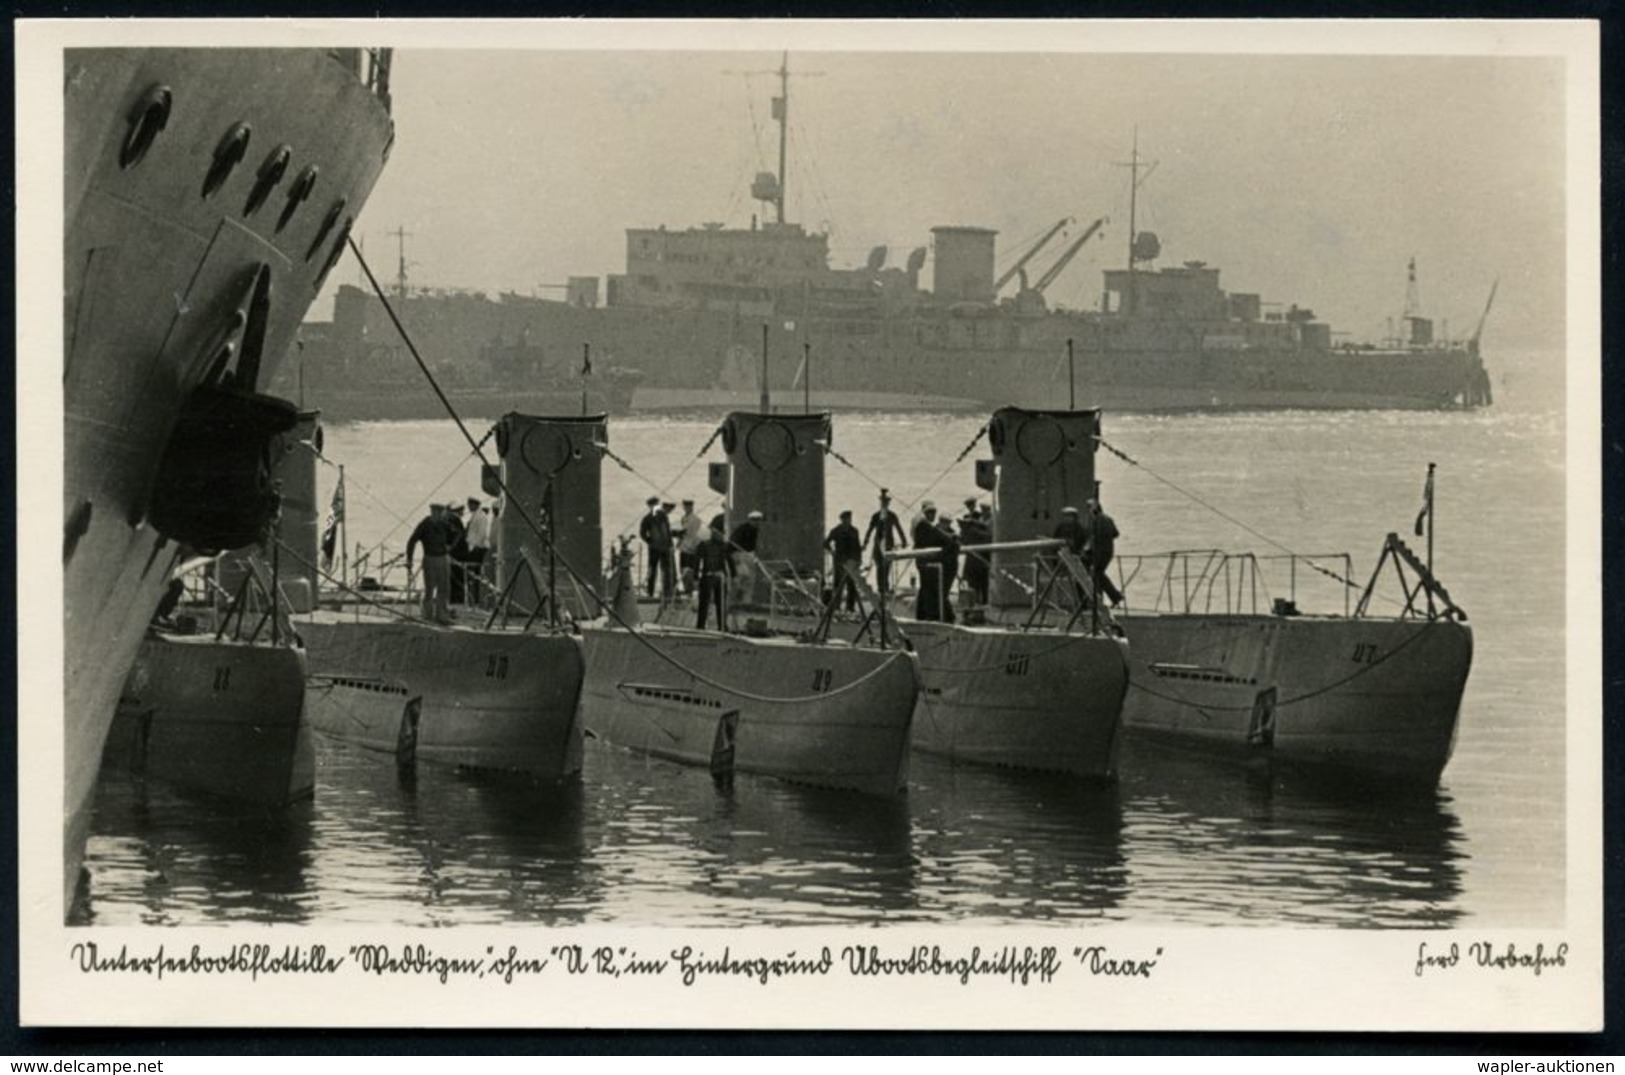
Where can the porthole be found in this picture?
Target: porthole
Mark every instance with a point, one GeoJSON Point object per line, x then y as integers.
{"type": "Point", "coordinates": [328, 222]}
{"type": "Point", "coordinates": [149, 115]}
{"type": "Point", "coordinates": [297, 194]}
{"type": "Point", "coordinates": [333, 255]}
{"type": "Point", "coordinates": [228, 154]}
{"type": "Point", "coordinates": [270, 174]}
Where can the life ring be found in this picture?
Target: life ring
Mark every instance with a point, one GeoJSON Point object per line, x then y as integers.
{"type": "Point", "coordinates": [1041, 441]}
{"type": "Point", "coordinates": [770, 446]}
{"type": "Point", "coordinates": [148, 116]}
{"type": "Point", "coordinates": [546, 449]}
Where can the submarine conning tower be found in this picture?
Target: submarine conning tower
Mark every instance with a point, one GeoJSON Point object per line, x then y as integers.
{"type": "Point", "coordinates": [292, 455]}
{"type": "Point", "coordinates": [1043, 461]}
{"type": "Point", "coordinates": [776, 467]}
{"type": "Point", "coordinates": [552, 468]}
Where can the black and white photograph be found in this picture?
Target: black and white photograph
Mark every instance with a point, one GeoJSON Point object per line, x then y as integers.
{"type": "Point", "coordinates": [1074, 525]}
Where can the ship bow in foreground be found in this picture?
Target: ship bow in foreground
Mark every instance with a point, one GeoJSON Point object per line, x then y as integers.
{"type": "Point", "coordinates": [208, 192]}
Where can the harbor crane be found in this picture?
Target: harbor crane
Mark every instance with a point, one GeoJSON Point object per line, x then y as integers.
{"type": "Point", "coordinates": [1478, 330]}
{"type": "Point", "coordinates": [1066, 258]}
{"type": "Point", "coordinates": [1032, 252]}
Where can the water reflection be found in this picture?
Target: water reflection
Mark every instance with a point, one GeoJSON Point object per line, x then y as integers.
{"type": "Point", "coordinates": [1178, 839]}
{"type": "Point", "coordinates": [755, 850]}
{"type": "Point", "coordinates": [161, 856]}
{"type": "Point", "coordinates": [1005, 846]}
{"type": "Point", "coordinates": [446, 846]}
{"type": "Point", "coordinates": [1228, 844]}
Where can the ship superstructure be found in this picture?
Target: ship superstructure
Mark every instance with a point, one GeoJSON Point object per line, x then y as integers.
{"type": "Point", "coordinates": [702, 309]}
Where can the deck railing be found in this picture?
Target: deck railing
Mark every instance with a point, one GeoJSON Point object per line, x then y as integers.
{"type": "Point", "coordinates": [1212, 581]}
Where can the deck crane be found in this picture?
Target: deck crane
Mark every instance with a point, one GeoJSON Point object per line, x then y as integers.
{"type": "Point", "coordinates": [1472, 344]}
{"type": "Point", "coordinates": [1066, 259]}
{"type": "Point", "coordinates": [1029, 255]}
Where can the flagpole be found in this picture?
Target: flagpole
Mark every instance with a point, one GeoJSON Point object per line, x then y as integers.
{"type": "Point", "coordinates": [344, 535]}
{"type": "Point", "coordinates": [1430, 520]}
{"type": "Point", "coordinates": [586, 371]}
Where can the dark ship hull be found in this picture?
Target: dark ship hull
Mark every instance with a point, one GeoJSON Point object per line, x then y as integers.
{"type": "Point", "coordinates": [400, 404]}
{"type": "Point", "coordinates": [222, 717]}
{"type": "Point", "coordinates": [208, 192]}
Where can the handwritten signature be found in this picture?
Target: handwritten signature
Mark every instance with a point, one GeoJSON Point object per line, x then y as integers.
{"type": "Point", "coordinates": [1486, 955]}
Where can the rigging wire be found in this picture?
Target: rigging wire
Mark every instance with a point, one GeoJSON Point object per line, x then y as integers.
{"type": "Point", "coordinates": [1221, 513]}
{"type": "Point", "coordinates": [400, 521]}
{"type": "Point", "coordinates": [958, 459]}
{"type": "Point", "coordinates": [516, 504]}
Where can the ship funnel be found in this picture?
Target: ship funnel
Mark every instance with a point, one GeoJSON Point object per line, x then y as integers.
{"type": "Point", "coordinates": [964, 267]}
{"type": "Point", "coordinates": [551, 467]}
{"type": "Point", "coordinates": [1044, 462]}
{"type": "Point", "coordinates": [777, 468]}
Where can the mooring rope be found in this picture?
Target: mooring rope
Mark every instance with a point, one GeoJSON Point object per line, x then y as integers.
{"type": "Point", "coordinates": [516, 504]}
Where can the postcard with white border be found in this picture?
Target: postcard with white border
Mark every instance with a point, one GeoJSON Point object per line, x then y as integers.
{"type": "Point", "coordinates": [1065, 525]}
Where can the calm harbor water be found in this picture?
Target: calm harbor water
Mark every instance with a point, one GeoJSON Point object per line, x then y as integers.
{"type": "Point", "coordinates": [1176, 840]}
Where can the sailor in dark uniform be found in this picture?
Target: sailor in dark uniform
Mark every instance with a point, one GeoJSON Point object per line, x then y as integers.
{"type": "Point", "coordinates": [973, 530]}
{"type": "Point", "coordinates": [846, 552]}
{"type": "Point", "coordinates": [936, 572]}
{"type": "Point", "coordinates": [1103, 536]}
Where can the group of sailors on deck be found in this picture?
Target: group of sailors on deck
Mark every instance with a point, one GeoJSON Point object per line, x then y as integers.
{"type": "Point", "coordinates": [719, 567]}
{"type": "Point", "coordinates": [455, 539]}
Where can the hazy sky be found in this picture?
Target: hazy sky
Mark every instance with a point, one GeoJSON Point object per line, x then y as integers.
{"type": "Point", "coordinates": [1309, 179]}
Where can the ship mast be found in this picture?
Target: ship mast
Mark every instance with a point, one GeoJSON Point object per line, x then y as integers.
{"type": "Point", "coordinates": [769, 186]}
{"type": "Point", "coordinates": [1131, 300]}
{"type": "Point", "coordinates": [1133, 191]}
{"type": "Point", "coordinates": [401, 235]}
{"type": "Point", "coordinates": [781, 112]}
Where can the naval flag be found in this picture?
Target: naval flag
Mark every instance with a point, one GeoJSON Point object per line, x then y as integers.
{"type": "Point", "coordinates": [335, 516]}
{"type": "Point", "coordinates": [1426, 513]}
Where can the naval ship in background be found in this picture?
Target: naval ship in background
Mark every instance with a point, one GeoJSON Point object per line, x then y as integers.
{"type": "Point", "coordinates": [700, 312]}
{"type": "Point", "coordinates": [208, 193]}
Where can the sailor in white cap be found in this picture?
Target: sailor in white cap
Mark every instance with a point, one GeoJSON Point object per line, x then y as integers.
{"type": "Point", "coordinates": [1071, 530]}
